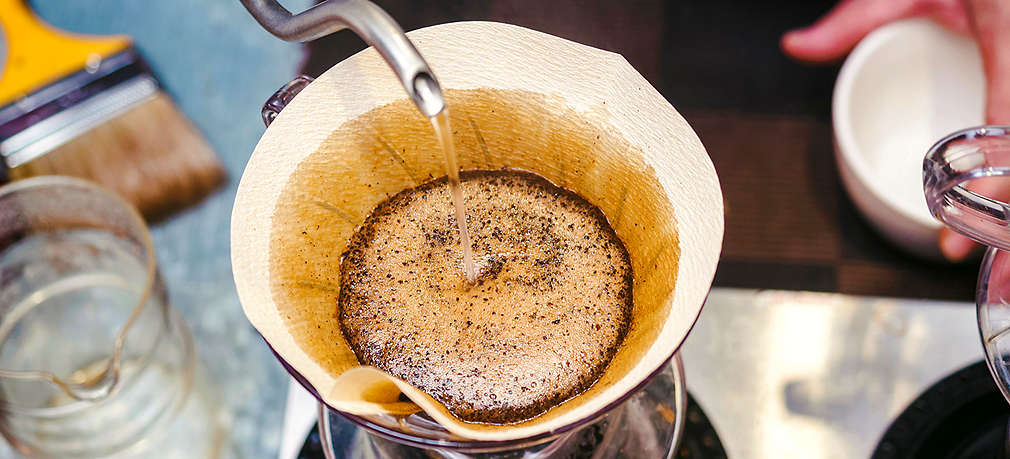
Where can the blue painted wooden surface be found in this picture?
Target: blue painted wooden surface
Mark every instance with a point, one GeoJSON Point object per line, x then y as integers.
{"type": "Point", "coordinates": [219, 66]}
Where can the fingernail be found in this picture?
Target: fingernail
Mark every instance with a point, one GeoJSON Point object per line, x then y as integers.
{"type": "Point", "coordinates": [791, 37]}
{"type": "Point", "coordinates": [956, 247]}
{"type": "Point", "coordinates": [794, 41]}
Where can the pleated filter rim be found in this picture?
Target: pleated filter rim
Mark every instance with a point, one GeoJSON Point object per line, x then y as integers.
{"type": "Point", "coordinates": [482, 65]}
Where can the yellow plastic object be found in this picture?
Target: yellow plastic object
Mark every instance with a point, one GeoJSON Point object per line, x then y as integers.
{"type": "Point", "coordinates": [38, 54]}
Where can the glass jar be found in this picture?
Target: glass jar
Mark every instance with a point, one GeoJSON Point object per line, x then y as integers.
{"type": "Point", "coordinates": [93, 359]}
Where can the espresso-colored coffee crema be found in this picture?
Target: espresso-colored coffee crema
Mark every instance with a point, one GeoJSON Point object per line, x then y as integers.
{"type": "Point", "coordinates": [551, 304]}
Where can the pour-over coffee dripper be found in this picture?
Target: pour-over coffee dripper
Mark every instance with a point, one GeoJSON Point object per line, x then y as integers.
{"type": "Point", "coordinates": [647, 422]}
{"type": "Point", "coordinates": [966, 155]}
{"type": "Point", "coordinates": [581, 117]}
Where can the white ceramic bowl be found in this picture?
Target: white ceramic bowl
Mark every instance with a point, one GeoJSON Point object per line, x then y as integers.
{"type": "Point", "coordinates": [905, 86]}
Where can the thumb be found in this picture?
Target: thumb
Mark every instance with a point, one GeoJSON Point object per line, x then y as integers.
{"type": "Point", "coordinates": [991, 22]}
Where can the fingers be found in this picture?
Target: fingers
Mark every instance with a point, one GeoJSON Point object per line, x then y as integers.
{"type": "Point", "coordinates": [834, 35]}
{"type": "Point", "coordinates": [954, 246]}
{"type": "Point", "coordinates": [990, 20]}
{"type": "Point", "coordinates": [948, 13]}
{"type": "Point", "coordinates": [998, 99]}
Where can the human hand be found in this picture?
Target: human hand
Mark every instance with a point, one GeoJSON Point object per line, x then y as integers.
{"type": "Point", "coordinates": [834, 35]}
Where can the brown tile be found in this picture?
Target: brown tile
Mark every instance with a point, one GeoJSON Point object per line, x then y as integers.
{"type": "Point", "coordinates": [948, 283]}
{"type": "Point", "coordinates": [749, 274]}
{"type": "Point", "coordinates": [779, 185]}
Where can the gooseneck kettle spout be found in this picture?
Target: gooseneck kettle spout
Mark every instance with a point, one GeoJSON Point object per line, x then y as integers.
{"type": "Point", "coordinates": [372, 24]}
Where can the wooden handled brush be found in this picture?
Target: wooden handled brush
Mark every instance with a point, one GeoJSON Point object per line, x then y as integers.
{"type": "Point", "coordinates": [89, 107]}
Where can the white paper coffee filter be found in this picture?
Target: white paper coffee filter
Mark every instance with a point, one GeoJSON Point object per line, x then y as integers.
{"type": "Point", "coordinates": [581, 117]}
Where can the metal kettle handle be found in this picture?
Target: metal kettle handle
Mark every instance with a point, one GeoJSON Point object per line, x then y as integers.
{"type": "Point", "coordinates": [372, 24]}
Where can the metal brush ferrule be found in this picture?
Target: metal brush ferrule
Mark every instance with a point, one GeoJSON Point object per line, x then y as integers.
{"type": "Point", "coordinates": [56, 114]}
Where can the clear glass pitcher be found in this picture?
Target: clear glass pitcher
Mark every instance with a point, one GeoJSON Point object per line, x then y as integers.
{"type": "Point", "coordinates": [93, 358]}
{"type": "Point", "coordinates": [961, 157]}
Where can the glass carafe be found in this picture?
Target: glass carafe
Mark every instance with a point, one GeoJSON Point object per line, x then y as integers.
{"type": "Point", "coordinates": [94, 360]}
{"type": "Point", "coordinates": [964, 156]}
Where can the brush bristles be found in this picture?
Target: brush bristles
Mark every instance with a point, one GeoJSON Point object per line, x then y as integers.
{"type": "Point", "coordinates": [151, 155]}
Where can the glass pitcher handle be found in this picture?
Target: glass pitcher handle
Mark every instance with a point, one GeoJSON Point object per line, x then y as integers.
{"type": "Point", "coordinates": [960, 157]}
{"type": "Point", "coordinates": [282, 97]}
